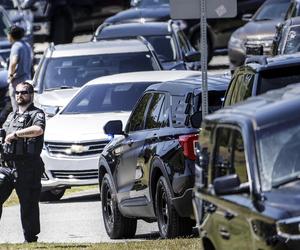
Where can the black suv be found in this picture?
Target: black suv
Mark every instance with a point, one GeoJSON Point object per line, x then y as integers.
{"type": "Point", "coordinates": [247, 181]}
{"type": "Point", "coordinates": [148, 171]}
{"type": "Point", "coordinates": [260, 74]}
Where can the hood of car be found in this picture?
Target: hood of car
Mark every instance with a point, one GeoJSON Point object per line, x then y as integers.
{"type": "Point", "coordinates": [285, 198]}
{"type": "Point", "coordinates": [259, 30]}
{"type": "Point", "coordinates": [80, 127]}
{"type": "Point", "coordinates": [4, 43]}
{"type": "Point", "coordinates": [161, 13]}
{"type": "Point", "coordinates": [58, 98]}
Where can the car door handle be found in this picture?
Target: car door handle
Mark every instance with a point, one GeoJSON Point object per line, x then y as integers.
{"type": "Point", "coordinates": [229, 216]}
{"type": "Point", "coordinates": [224, 234]}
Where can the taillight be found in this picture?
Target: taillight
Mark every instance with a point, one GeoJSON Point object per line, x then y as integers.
{"type": "Point", "coordinates": [188, 144]}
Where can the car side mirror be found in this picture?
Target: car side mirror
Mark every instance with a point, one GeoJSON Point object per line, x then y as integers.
{"type": "Point", "coordinates": [196, 119]}
{"type": "Point", "coordinates": [279, 26]}
{"type": "Point", "coordinates": [113, 128]}
{"type": "Point", "coordinates": [230, 184]}
{"type": "Point", "coordinates": [247, 17]}
{"type": "Point", "coordinates": [192, 56]}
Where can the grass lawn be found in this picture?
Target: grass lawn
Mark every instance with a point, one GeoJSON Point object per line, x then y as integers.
{"type": "Point", "coordinates": [191, 244]}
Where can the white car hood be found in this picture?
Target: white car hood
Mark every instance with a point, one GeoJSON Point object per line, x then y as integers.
{"type": "Point", "coordinates": [81, 127]}
{"type": "Point", "coordinates": [55, 97]}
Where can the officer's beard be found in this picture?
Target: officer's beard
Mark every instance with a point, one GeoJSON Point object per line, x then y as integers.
{"type": "Point", "coordinates": [24, 102]}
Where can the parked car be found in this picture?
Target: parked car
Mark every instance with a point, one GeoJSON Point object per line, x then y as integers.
{"type": "Point", "coordinates": [257, 35]}
{"type": "Point", "coordinates": [65, 68]}
{"type": "Point", "coordinates": [260, 74]}
{"type": "Point", "coordinates": [219, 30]}
{"type": "Point", "coordinates": [170, 43]}
{"type": "Point", "coordinates": [5, 105]}
{"type": "Point", "coordinates": [247, 183]}
{"type": "Point", "coordinates": [59, 21]}
{"type": "Point", "coordinates": [147, 172]}
{"type": "Point", "coordinates": [74, 138]}
{"type": "Point", "coordinates": [286, 39]}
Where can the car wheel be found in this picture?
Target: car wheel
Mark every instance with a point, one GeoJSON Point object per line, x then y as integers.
{"type": "Point", "coordinates": [117, 226]}
{"type": "Point", "coordinates": [197, 45]}
{"type": "Point", "coordinates": [61, 30]}
{"type": "Point", "coordinates": [169, 222]}
{"type": "Point", "coordinates": [52, 195]}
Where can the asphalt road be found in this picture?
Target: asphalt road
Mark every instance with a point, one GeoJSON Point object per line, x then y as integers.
{"type": "Point", "coordinates": [78, 218]}
{"type": "Point", "coordinates": [73, 219]}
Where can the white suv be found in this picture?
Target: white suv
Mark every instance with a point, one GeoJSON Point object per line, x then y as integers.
{"type": "Point", "coordinates": [65, 68]}
{"type": "Point", "coordinates": [74, 138]}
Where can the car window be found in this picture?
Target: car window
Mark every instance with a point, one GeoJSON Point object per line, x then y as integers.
{"type": "Point", "coordinates": [4, 24]}
{"type": "Point", "coordinates": [67, 72]}
{"type": "Point", "coordinates": [230, 154]}
{"type": "Point", "coordinates": [230, 91]}
{"type": "Point", "coordinates": [136, 120]}
{"type": "Point", "coordinates": [292, 43]}
{"type": "Point", "coordinates": [277, 78]}
{"type": "Point", "coordinates": [178, 111]}
{"type": "Point", "coordinates": [156, 117]}
{"type": "Point", "coordinates": [236, 90]}
{"type": "Point", "coordinates": [183, 42]}
{"type": "Point", "coordinates": [106, 98]}
{"type": "Point", "coordinates": [164, 47]}
{"type": "Point", "coordinates": [244, 87]}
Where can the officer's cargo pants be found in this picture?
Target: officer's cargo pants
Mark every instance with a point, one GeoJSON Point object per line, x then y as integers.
{"type": "Point", "coordinates": [28, 188]}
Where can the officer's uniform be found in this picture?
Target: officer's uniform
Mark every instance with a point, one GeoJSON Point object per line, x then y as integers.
{"type": "Point", "coordinates": [24, 156]}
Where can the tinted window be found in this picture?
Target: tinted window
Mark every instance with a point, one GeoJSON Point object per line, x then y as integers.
{"type": "Point", "coordinates": [244, 87]}
{"type": "Point", "coordinates": [230, 91]}
{"type": "Point", "coordinates": [153, 2]}
{"type": "Point", "coordinates": [230, 155]}
{"type": "Point", "coordinates": [278, 78]}
{"type": "Point", "coordinates": [154, 118]}
{"type": "Point", "coordinates": [76, 71]}
{"type": "Point", "coordinates": [292, 44]}
{"type": "Point", "coordinates": [106, 98]}
{"type": "Point", "coordinates": [136, 121]}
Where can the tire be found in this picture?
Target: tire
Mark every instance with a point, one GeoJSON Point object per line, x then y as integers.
{"type": "Point", "coordinates": [116, 225]}
{"type": "Point", "coordinates": [52, 195]}
{"type": "Point", "coordinates": [196, 44]}
{"type": "Point", "coordinates": [61, 30]}
{"type": "Point", "coordinates": [170, 224]}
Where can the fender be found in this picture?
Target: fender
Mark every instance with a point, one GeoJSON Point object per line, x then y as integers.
{"type": "Point", "coordinates": [158, 169]}
{"type": "Point", "coordinates": [102, 170]}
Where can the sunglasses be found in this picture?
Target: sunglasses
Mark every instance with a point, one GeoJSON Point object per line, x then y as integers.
{"type": "Point", "coordinates": [23, 92]}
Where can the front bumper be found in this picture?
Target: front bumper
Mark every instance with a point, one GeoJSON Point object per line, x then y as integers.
{"type": "Point", "coordinates": [69, 171]}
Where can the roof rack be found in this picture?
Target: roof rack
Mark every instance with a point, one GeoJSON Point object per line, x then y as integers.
{"type": "Point", "coordinates": [257, 59]}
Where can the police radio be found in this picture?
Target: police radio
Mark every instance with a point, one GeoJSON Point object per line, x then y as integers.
{"type": "Point", "coordinates": [2, 138]}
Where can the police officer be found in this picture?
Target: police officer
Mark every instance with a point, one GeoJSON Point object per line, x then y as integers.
{"type": "Point", "coordinates": [23, 144]}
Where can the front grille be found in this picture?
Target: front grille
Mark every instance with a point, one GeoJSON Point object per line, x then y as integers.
{"type": "Point", "coordinates": [75, 174]}
{"type": "Point", "coordinates": [75, 149]}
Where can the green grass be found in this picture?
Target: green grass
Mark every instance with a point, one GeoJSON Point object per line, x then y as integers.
{"type": "Point", "coordinates": [13, 199]}
{"type": "Point", "coordinates": [191, 244]}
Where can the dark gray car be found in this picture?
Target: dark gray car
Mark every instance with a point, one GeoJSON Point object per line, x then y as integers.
{"type": "Point", "coordinates": [258, 33]}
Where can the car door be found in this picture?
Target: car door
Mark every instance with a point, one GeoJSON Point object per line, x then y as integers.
{"type": "Point", "coordinates": [125, 172]}
{"type": "Point", "coordinates": [156, 122]}
{"type": "Point", "coordinates": [229, 213]}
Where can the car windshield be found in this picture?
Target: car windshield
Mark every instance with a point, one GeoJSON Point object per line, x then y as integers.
{"type": "Point", "coordinates": [106, 98]}
{"type": "Point", "coordinates": [69, 72]}
{"type": "Point", "coordinates": [279, 148]}
{"type": "Point", "coordinates": [144, 3]}
{"type": "Point", "coordinates": [292, 44]}
{"type": "Point", "coordinates": [272, 10]}
{"type": "Point", "coordinates": [278, 78]}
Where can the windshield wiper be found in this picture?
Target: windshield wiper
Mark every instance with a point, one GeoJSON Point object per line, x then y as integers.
{"type": "Point", "coordinates": [61, 87]}
{"type": "Point", "coordinates": [283, 182]}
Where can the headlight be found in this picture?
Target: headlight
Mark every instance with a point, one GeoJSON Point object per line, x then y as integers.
{"type": "Point", "coordinates": [237, 42]}
{"type": "Point", "coordinates": [289, 228]}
